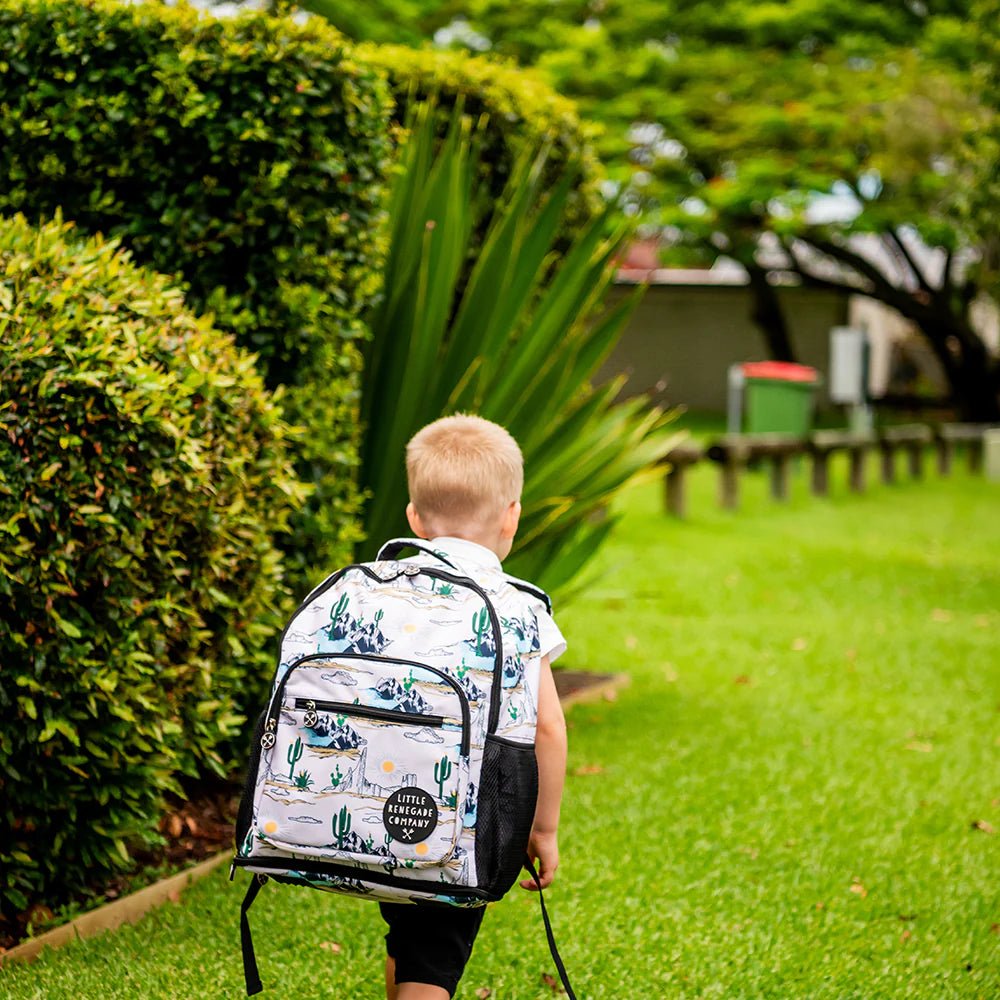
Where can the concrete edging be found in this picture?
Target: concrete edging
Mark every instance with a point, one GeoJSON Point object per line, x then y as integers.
{"type": "Point", "coordinates": [127, 910]}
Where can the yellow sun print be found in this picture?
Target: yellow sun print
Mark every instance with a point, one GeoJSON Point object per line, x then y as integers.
{"type": "Point", "coordinates": [270, 826]}
{"type": "Point", "coordinates": [388, 766]}
{"type": "Point", "coordinates": [420, 849]}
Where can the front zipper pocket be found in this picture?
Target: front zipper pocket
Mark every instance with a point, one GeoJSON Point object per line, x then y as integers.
{"type": "Point", "coordinates": [371, 713]}
{"type": "Point", "coordinates": [366, 761]}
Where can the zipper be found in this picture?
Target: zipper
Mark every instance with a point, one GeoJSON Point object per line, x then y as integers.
{"type": "Point", "coordinates": [412, 718]}
{"type": "Point", "coordinates": [277, 697]}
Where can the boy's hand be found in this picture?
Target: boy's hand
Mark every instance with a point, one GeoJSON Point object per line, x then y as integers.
{"type": "Point", "coordinates": [543, 849]}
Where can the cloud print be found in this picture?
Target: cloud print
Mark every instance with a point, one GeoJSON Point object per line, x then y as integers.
{"type": "Point", "coordinates": [340, 677]}
{"type": "Point", "coordinates": [425, 735]}
{"type": "Point", "coordinates": [304, 819]}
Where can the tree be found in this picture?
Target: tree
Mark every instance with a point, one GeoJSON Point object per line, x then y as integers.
{"type": "Point", "coordinates": [827, 142]}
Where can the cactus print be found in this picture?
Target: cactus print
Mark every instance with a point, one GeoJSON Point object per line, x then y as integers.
{"type": "Point", "coordinates": [384, 690]}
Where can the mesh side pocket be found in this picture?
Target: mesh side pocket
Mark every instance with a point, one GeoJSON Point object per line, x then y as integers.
{"type": "Point", "coordinates": [508, 790]}
{"type": "Point", "coordinates": [245, 815]}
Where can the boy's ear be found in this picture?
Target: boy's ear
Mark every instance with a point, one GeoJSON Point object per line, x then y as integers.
{"type": "Point", "coordinates": [511, 519]}
{"type": "Point", "coordinates": [416, 525]}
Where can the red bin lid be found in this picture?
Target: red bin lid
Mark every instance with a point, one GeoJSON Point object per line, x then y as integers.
{"type": "Point", "coordinates": [785, 371]}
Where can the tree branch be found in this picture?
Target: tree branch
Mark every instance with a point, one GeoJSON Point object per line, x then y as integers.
{"type": "Point", "coordinates": [896, 238]}
{"type": "Point", "coordinates": [881, 287]}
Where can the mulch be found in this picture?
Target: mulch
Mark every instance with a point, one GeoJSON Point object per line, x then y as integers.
{"type": "Point", "coordinates": [194, 830]}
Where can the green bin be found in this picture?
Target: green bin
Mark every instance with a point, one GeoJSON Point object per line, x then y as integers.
{"type": "Point", "coordinates": [779, 397]}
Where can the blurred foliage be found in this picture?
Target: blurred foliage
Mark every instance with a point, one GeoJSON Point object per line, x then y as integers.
{"type": "Point", "coordinates": [509, 344]}
{"type": "Point", "coordinates": [247, 157]}
{"type": "Point", "coordinates": [780, 133]}
{"type": "Point", "coordinates": [144, 474]}
{"type": "Point", "coordinates": [513, 110]}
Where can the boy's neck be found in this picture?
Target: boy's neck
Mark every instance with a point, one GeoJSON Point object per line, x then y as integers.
{"type": "Point", "coordinates": [496, 544]}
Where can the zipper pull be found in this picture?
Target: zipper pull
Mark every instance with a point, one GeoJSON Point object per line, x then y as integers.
{"type": "Point", "coordinates": [267, 740]}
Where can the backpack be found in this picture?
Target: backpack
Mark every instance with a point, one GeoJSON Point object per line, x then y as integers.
{"type": "Point", "coordinates": [380, 767]}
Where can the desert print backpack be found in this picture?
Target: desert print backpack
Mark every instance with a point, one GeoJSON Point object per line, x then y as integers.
{"type": "Point", "coordinates": [395, 758]}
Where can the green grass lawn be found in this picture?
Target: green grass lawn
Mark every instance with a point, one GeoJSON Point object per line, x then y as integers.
{"type": "Point", "coordinates": [782, 804]}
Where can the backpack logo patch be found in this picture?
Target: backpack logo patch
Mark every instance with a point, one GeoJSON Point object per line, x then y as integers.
{"type": "Point", "coordinates": [410, 815]}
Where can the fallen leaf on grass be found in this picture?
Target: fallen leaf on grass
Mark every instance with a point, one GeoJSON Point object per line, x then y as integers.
{"type": "Point", "coordinates": [995, 928]}
{"type": "Point", "coordinates": [941, 615]}
{"type": "Point", "coordinates": [669, 673]}
{"type": "Point", "coordinates": [741, 679]}
{"type": "Point", "coordinates": [483, 992]}
{"type": "Point", "coordinates": [552, 983]}
{"type": "Point", "coordinates": [589, 769]}
{"type": "Point", "coordinates": [920, 746]}
{"type": "Point", "coordinates": [330, 946]}
{"type": "Point", "coordinates": [800, 644]}
{"type": "Point", "coordinates": [981, 824]}
{"type": "Point", "coordinates": [905, 936]}
{"type": "Point", "coordinates": [858, 887]}
{"type": "Point", "coordinates": [631, 642]}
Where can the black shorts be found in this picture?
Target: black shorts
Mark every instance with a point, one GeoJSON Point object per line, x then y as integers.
{"type": "Point", "coordinates": [431, 942]}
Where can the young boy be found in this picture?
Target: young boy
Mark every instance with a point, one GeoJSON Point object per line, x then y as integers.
{"type": "Point", "coordinates": [465, 476]}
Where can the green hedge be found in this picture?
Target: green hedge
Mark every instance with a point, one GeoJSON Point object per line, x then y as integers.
{"type": "Point", "coordinates": [143, 471]}
{"type": "Point", "coordinates": [246, 156]}
{"type": "Point", "coordinates": [519, 109]}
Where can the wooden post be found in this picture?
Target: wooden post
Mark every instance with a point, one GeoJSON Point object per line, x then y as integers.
{"type": "Point", "coordinates": [944, 453]}
{"type": "Point", "coordinates": [821, 473]}
{"type": "Point", "coordinates": [729, 483]}
{"type": "Point", "coordinates": [676, 498]}
{"type": "Point", "coordinates": [915, 456]}
{"type": "Point", "coordinates": [888, 462]}
{"type": "Point", "coordinates": [976, 455]}
{"type": "Point", "coordinates": [857, 475]}
{"type": "Point", "coordinates": [678, 460]}
{"type": "Point", "coordinates": [779, 476]}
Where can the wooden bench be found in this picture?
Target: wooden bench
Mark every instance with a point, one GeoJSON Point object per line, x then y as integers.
{"type": "Point", "coordinates": [948, 436]}
{"type": "Point", "coordinates": [679, 459]}
{"type": "Point", "coordinates": [911, 438]}
{"type": "Point", "coordinates": [822, 444]}
{"type": "Point", "coordinates": [734, 452]}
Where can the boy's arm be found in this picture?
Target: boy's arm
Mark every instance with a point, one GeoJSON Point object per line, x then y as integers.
{"type": "Point", "coordinates": [550, 750]}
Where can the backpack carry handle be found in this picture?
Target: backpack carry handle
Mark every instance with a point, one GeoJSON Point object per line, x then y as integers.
{"type": "Point", "coordinates": [394, 546]}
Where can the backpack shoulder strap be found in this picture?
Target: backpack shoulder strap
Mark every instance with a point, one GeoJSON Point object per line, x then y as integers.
{"type": "Point", "coordinates": [554, 951]}
{"type": "Point", "coordinates": [394, 546]}
{"type": "Point", "coordinates": [530, 588]}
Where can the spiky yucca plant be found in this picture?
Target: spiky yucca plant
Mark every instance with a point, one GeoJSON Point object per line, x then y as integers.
{"type": "Point", "coordinates": [514, 336]}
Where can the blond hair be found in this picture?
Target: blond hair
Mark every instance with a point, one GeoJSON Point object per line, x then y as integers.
{"type": "Point", "coordinates": [462, 470]}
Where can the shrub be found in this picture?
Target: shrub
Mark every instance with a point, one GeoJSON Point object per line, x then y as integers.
{"type": "Point", "coordinates": [511, 344]}
{"type": "Point", "coordinates": [142, 473]}
{"type": "Point", "coordinates": [516, 109]}
{"type": "Point", "coordinates": [246, 156]}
